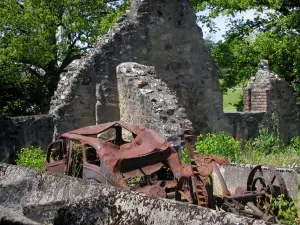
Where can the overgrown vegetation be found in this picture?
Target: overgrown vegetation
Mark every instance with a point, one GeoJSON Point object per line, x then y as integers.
{"type": "Point", "coordinates": [218, 144]}
{"type": "Point", "coordinates": [267, 147]}
{"type": "Point", "coordinates": [286, 211]}
{"type": "Point", "coordinates": [32, 157]}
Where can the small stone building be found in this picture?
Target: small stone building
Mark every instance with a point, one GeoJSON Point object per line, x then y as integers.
{"type": "Point", "coordinates": [268, 93]}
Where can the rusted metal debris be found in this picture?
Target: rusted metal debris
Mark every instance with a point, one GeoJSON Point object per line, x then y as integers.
{"type": "Point", "coordinates": [133, 157]}
{"type": "Point", "coordinates": [253, 201]}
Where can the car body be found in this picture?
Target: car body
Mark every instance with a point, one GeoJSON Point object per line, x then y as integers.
{"type": "Point", "coordinates": [120, 154]}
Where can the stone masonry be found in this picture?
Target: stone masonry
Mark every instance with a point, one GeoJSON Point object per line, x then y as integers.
{"type": "Point", "coordinates": [163, 34]}
{"type": "Point", "coordinates": [151, 102]}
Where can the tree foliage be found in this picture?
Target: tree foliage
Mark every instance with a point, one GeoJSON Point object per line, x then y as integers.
{"type": "Point", "coordinates": [273, 34]}
{"type": "Point", "coordinates": [39, 39]}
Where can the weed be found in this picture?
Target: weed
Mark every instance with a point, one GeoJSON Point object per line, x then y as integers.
{"type": "Point", "coordinates": [31, 157]}
{"type": "Point", "coordinates": [266, 142]}
{"type": "Point", "coordinates": [286, 211]}
{"type": "Point", "coordinates": [218, 144]}
{"type": "Point", "coordinates": [184, 157]}
{"type": "Point", "coordinates": [295, 144]}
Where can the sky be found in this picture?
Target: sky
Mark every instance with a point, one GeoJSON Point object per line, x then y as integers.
{"type": "Point", "coordinates": [222, 22]}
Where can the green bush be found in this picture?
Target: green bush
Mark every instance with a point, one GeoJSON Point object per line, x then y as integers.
{"type": "Point", "coordinates": [267, 148]}
{"type": "Point", "coordinates": [32, 157]}
{"type": "Point", "coordinates": [266, 142]}
{"type": "Point", "coordinates": [295, 144]}
{"type": "Point", "coordinates": [218, 144]}
{"type": "Point", "coordinates": [287, 211]}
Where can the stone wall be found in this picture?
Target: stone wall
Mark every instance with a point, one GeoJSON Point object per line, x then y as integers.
{"type": "Point", "coordinates": [163, 34]}
{"type": "Point", "coordinates": [28, 197]}
{"type": "Point", "coordinates": [145, 99]}
{"type": "Point", "coordinates": [21, 132]}
{"type": "Point", "coordinates": [236, 175]}
{"type": "Point", "coordinates": [245, 126]}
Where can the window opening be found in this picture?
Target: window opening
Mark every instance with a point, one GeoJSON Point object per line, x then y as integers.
{"type": "Point", "coordinates": [76, 159]}
{"type": "Point", "coordinates": [91, 155]}
{"type": "Point", "coordinates": [57, 151]}
{"type": "Point", "coordinates": [109, 134]}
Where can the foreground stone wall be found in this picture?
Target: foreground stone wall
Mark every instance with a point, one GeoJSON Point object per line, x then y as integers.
{"type": "Point", "coordinates": [21, 132]}
{"type": "Point", "coordinates": [236, 175]}
{"type": "Point", "coordinates": [145, 99]}
{"type": "Point", "coordinates": [163, 34]}
{"type": "Point", "coordinates": [27, 197]}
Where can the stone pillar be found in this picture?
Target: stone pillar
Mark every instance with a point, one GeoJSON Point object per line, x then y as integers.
{"type": "Point", "coordinates": [257, 96]}
{"type": "Point", "coordinates": [247, 100]}
{"type": "Point", "coordinates": [145, 99]}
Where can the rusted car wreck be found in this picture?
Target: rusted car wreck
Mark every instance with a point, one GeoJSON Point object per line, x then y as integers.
{"type": "Point", "coordinates": [133, 157]}
{"type": "Point", "coordinates": [122, 155]}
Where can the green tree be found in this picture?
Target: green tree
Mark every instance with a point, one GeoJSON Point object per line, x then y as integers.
{"type": "Point", "coordinates": [273, 34]}
{"type": "Point", "coordinates": [39, 39]}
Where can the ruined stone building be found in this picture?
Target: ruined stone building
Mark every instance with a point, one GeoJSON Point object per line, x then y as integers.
{"type": "Point", "coordinates": [151, 68]}
{"type": "Point", "coordinates": [161, 34]}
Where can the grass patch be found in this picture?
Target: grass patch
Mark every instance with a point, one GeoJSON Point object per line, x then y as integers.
{"type": "Point", "coordinates": [232, 97]}
{"type": "Point", "coordinates": [285, 159]}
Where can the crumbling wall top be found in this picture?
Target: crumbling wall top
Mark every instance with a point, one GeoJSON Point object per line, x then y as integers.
{"type": "Point", "coordinates": [263, 78]}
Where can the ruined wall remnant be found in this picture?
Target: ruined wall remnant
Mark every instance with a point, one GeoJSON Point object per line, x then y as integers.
{"type": "Point", "coordinates": [145, 99]}
{"type": "Point", "coordinates": [272, 95]}
{"type": "Point", "coordinates": [24, 131]}
{"type": "Point", "coordinates": [257, 95]}
{"type": "Point", "coordinates": [245, 126]}
{"type": "Point", "coordinates": [28, 197]}
{"type": "Point", "coordinates": [73, 103]}
{"type": "Point", "coordinates": [163, 34]}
